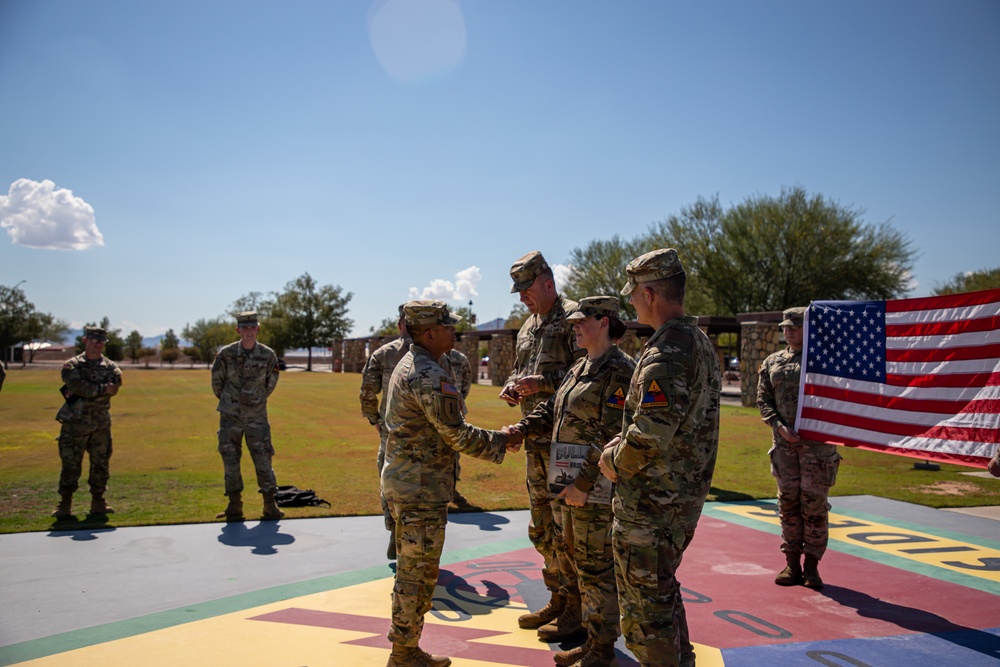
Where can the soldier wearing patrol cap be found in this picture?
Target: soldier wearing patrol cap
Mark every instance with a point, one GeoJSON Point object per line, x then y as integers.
{"type": "Point", "coordinates": [244, 375]}
{"type": "Point", "coordinates": [663, 461]}
{"type": "Point", "coordinates": [425, 426]}
{"type": "Point", "coordinates": [89, 381]}
{"type": "Point", "coordinates": [545, 350]}
{"type": "Point", "coordinates": [585, 413]}
{"type": "Point", "coordinates": [805, 470]}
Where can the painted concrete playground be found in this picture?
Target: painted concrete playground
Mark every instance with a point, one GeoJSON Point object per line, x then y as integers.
{"type": "Point", "coordinates": [905, 586]}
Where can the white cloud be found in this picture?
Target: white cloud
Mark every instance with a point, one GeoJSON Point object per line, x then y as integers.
{"type": "Point", "coordinates": [40, 216]}
{"type": "Point", "coordinates": [561, 273]}
{"type": "Point", "coordinates": [462, 289]}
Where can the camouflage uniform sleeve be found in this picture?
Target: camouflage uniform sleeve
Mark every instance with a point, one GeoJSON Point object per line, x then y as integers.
{"type": "Point", "coordinates": [539, 421]}
{"type": "Point", "coordinates": [466, 375]}
{"type": "Point", "coordinates": [77, 384]}
{"type": "Point", "coordinates": [371, 386]}
{"type": "Point", "coordinates": [442, 406]}
{"type": "Point", "coordinates": [612, 405]}
{"type": "Point", "coordinates": [665, 397]}
{"type": "Point", "coordinates": [219, 373]}
{"type": "Point", "coordinates": [117, 371]}
{"type": "Point", "coordinates": [766, 403]}
{"type": "Point", "coordinates": [271, 381]}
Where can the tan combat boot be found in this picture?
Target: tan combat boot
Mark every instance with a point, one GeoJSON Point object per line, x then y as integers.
{"type": "Point", "coordinates": [64, 509]}
{"type": "Point", "coordinates": [599, 655]}
{"type": "Point", "coordinates": [414, 656]}
{"type": "Point", "coordinates": [567, 658]}
{"type": "Point", "coordinates": [792, 574]}
{"type": "Point", "coordinates": [549, 612]}
{"type": "Point", "coordinates": [234, 510]}
{"type": "Point", "coordinates": [567, 626]}
{"type": "Point", "coordinates": [98, 505]}
{"type": "Point", "coordinates": [271, 511]}
{"type": "Point", "coordinates": [811, 574]}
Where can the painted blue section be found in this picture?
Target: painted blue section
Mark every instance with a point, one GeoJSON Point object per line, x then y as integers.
{"type": "Point", "coordinates": [963, 648]}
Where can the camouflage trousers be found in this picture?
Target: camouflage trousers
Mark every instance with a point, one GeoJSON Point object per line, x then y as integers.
{"type": "Point", "coordinates": [587, 534]}
{"type": "Point", "coordinates": [545, 525]}
{"type": "Point", "coordinates": [380, 460]}
{"type": "Point", "coordinates": [258, 437]}
{"type": "Point", "coordinates": [653, 619]}
{"type": "Point", "coordinates": [805, 471]}
{"type": "Point", "coordinates": [419, 542]}
{"type": "Point", "coordinates": [74, 440]}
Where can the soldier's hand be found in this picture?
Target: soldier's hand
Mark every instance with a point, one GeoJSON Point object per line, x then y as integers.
{"type": "Point", "coordinates": [788, 434]}
{"type": "Point", "coordinates": [605, 468]}
{"type": "Point", "coordinates": [573, 496]}
{"type": "Point", "coordinates": [510, 395]}
{"type": "Point", "coordinates": [111, 389]}
{"type": "Point", "coordinates": [528, 385]}
{"type": "Point", "coordinates": [514, 438]}
{"type": "Point", "coordinates": [613, 442]}
{"type": "Point", "coordinates": [994, 465]}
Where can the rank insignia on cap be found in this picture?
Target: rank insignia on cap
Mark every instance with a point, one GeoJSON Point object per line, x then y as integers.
{"type": "Point", "coordinates": [617, 399]}
{"type": "Point", "coordinates": [654, 396]}
{"type": "Point", "coordinates": [448, 389]}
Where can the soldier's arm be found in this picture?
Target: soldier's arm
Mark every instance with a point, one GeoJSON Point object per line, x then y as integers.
{"type": "Point", "coordinates": [78, 385]}
{"type": "Point", "coordinates": [539, 421]}
{"type": "Point", "coordinates": [218, 374]}
{"type": "Point", "coordinates": [371, 387]}
{"type": "Point", "coordinates": [655, 422]}
{"type": "Point", "coordinates": [442, 406]}
{"type": "Point", "coordinates": [766, 403]}
{"type": "Point", "coordinates": [612, 414]}
{"type": "Point", "coordinates": [271, 381]}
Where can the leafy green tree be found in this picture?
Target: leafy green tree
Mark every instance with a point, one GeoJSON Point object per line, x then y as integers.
{"type": "Point", "coordinates": [518, 315]}
{"type": "Point", "coordinates": [313, 315]}
{"type": "Point", "coordinates": [972, 281]}
{"type": "Point", "coordinates": [193, 354]}
{"type": "Point", "coordinates": [147, 353]}
{"type": "Point", "coordinates": [770, 253]}
{"type": "Point", "coordinates": [43, 327]}
{"type": "Point", "coordinates": [467, 323]}
{"type": "Point", "coordinates": [114, 349]}
{"type": "Point", "coordinates": [388, 327]}
{"type": "Point", "coordinates": [207, 336]}
{"type": "Point", "coordinates": [132, 346]}
{"type": "Point", "coordinates": [599, 269]}
{"type": "Point", "coordinates": [170, 348]}
{"type": "Point", "coordinates": [15, 317]}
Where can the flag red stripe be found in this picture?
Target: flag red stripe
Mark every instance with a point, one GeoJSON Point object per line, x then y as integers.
{"type": "Point", "coordinates": [991, 406]}
{"type": "Point", "coordinates": [939, 432]}
{"type": "Point", "coordinates": [945, 353]}
{"type": "Point", "coordinates": [924, 454]}
{"type": "Point", "coordinates": [942, 328]}
{"type": "Point", "coordinates": [946, 301]}
{"type": "Point", "coordinates": [953, 380]}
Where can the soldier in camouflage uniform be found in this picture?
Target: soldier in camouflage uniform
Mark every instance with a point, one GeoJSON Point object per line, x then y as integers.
{"type": "Point", "coordinates": [458, 366]}
{"type": "Point", "coordinates": [545, 350]}
{"type": "Point", "coordinates": [89, 381]}
{"type": "Point", "coordinates": [663, 463]}
{"type": "Point", "coordinates": [374, 381]}
{"type": "Point", "coordinates": [587, 410]}
{"type": "Point", "coordinates": [805, 469]}
{"type": "Point", "coordinates": [244, 375]}
{"type": "Point", "coordinates": [425, 428]}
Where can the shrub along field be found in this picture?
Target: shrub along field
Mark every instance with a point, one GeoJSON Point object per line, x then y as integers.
{"type": "Point", "coordinates": [166, 470]}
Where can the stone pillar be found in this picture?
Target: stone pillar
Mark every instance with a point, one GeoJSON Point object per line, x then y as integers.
{"type": "Point", "coordinates": [759, 341]}
{"type": "Point", "coordinates": [502, 356]}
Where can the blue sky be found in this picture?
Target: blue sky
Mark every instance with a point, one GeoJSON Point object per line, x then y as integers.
{"type": "Point", "coordinates": [158, 160]}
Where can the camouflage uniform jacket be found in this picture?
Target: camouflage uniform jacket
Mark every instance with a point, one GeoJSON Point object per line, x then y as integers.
{"type": "Point", "coordinates": [546, 346]}
{"type": "Point", "coordinates": [670, 431]}
{"type": "Point", "coordinates": [375, 378]}
{"type": "Point", "coordinates": [426, 428]}
{"type": "Point", "coordinates": [88, 380]}
{"type": "Point", "coordinates": [778, 390]}
{"type": "Point", "coordinates": [243, 381]}
{"type": "Point", "coordinates": [586, 409]}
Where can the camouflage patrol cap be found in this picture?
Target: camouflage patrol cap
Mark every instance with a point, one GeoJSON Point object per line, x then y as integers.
{"type": "Point", "coordinates": [423, 312]}
{"type": "Point", "coordinates": [95, 333]}
{"type": "Point", "coordinates": [595, 306]}
{"type": "Point", "coordinates": [248, 318]}
{"type": "Point", "coordinates": [525, 270]}
{"type": "Point", "coordinates": [655, 265]}
{"type": "Point", "coordinates": [793, 317]}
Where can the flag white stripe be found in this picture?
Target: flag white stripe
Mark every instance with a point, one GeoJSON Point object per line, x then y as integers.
{"type": "Point", "coordinates": [971, 339]}
{"type": "Point", "coordinates": [968, 448]}
{"type": "Point", "coordinates": [958, 314]}
{"type": "Point", "coordinates": [943, 367]}
{"type": "Point", "coordinates": [921, 393]}
{"type": "Point", "coordinates": [963, 420]}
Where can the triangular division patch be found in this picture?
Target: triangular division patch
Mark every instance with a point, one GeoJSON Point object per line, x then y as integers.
{"type": "Point", "coordinates": [617, 399]}
{"type": "Point", "coordinates": [654, 396]}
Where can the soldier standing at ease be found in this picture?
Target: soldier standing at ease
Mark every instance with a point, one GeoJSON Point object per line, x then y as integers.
{"type": "Point", "coordinates": [546, 348]}
{"type": "Point", "coordinates": [243, 375]}
{"type": "Point", "coordinates": [457, 364]}
{"type": "Point", "coordinates": [663, 462]}
{"type": "Point", "coordinates": [89, 381]}
{"type": "Point", "coordinates": [374, 381]}
{"type": "Point", "coordinates": [805, 469]}
{"type": "Point", "coordinates": [425, 428]}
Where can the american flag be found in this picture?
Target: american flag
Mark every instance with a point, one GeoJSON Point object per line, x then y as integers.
{"type": "Point", "coordinates": [916, 377]}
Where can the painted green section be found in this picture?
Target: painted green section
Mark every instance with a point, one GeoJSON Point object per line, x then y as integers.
{"type": "Point", "coordinates": [69, 641]}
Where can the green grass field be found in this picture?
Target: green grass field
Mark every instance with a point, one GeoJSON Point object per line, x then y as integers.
{"type": "Point", "coordinates": [166, 470]}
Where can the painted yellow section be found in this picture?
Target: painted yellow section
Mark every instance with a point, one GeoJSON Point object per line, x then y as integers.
{"type": "Point", "coordinates": [232, 640]}
{"type": "Point", "coordinates": [942, 552]}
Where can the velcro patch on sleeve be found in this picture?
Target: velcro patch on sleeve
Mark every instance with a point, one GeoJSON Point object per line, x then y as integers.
{"type": "Point", "coordinates": [617, 398]}
{"type": "Point", "coordinates": [653, 396]}
{"type": "Point", "coordinates": [448, 389]}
